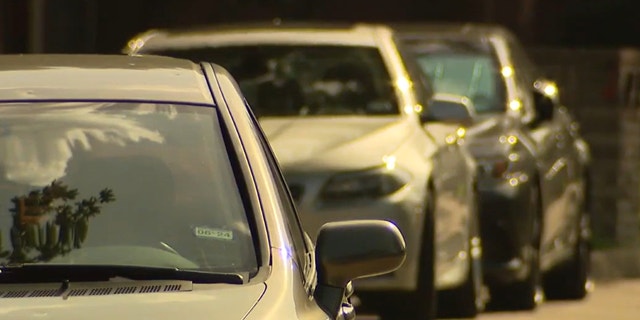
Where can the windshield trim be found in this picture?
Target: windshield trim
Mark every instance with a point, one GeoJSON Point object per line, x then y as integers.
{"type": "Point", "coordinates": [45, 100]}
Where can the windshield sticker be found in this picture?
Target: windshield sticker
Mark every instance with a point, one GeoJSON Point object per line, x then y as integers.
{"type": "Point", "coordinates": [213, 233]}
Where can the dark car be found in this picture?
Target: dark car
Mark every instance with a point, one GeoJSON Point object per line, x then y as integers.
{"type": "Point", "coordinates": [143, 187]}
{"type": "Point", "coordinates": [534, 166]}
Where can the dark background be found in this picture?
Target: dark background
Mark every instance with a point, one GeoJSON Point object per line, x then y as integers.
{"type": "Point", "coordinates": [104, 26]}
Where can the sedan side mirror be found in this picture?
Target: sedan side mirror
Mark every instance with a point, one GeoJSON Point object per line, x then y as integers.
{"type": "Point", "coordinates": [545, 94]}
{"type": "Point", "coordinates": [349, 250]}
{"type": "Point", "coordinates": [449, 108]}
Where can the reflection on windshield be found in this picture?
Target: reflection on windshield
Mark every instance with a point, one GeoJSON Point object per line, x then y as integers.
{"type": "Point", "coordinates": [286, 80]}
{"type": "Point", "coordinates": [37, 153]}
{"type": "Point", "coordinates": [178, 202]}
{"type": "Point", "coordinates": [49, 222]}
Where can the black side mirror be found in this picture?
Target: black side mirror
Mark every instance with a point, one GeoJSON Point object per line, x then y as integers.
{"type": "Point", "coordinates": [349, 250]}
{"type": "Point", "coordinates": [449, 108]}
{"type": "Point", "coordinates": [545, 97]}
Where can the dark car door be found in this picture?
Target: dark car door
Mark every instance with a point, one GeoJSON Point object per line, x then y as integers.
{"type": "Point", "coordinates": [555, 163]}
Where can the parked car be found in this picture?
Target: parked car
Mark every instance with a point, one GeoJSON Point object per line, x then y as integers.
{"type": "Point", "coordinates": [344, 109]}
{"type": "Point", "coordinates": [143, 187]}
{"type": "Point", "coordinates": [533, 166]}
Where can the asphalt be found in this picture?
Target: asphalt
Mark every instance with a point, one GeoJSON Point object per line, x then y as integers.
{"type": "Point", "coordinates": [614, 264]}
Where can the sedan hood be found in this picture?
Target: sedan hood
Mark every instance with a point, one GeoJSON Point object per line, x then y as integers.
{"type": "Point", "coordinates": [311, 143]}
{"type": "Point", "coordinates": [209, 301]}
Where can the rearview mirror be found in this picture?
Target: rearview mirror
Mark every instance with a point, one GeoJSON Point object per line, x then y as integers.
{"type": "Point", "coordinates": [349, 250]}
{"type": "Point", "coordinates": [449, 108]}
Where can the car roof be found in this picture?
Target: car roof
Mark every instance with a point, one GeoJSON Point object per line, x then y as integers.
{"type": "Point", "coordinates": [101, 77]}
{"type": "Point", "coordinates": [469, 31]}
{"type": "Point", "coordinates": [292, 33]}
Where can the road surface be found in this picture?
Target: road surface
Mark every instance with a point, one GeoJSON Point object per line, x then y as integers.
{"type": "Point", "coordinates": [615, 300]}
{"type": "Point", "coordinates": [618, 300]}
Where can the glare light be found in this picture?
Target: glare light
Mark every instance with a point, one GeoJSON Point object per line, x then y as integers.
{"type": "Point", "coordinates": [515, 105]}
{"type": "Point", "coordinates": [390, 162]}
{"type": "Point", "coordinates": [409, 109]}
{"type": "Point", "coordinates": [418, 108]}
{"type": "Point", "coordinates": [461, 132]}
{"type": "Point", "coordinates": [450, 139]}
{"type": "Point", "coordinates": [403, 84]}
{"type": "Point", "coordinates": [507, 72]}
{"type": "Point", "coordinates": [512, 139]}
{"type": "Point", "coordinates": [514, 157]}
{"type": "Point", "coordinates": [550, 90]}
{"type": "Point", "coordinates": [513, 182]}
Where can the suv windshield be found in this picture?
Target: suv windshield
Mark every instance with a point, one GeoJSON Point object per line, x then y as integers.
{"type": "Point", "coordinates": [120, 184]}
{"type": "Point", "coordinates": [464, 68]}
{"type": "Point", "coordinates": [288, 80]}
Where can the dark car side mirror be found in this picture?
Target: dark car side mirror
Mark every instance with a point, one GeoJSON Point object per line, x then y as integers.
{"type": "Point", "coordinates": [449, 108]}
{"type": "Point", "coordinates": [545, 95]}
{"type": "Point", "coordinates": [349, 250]}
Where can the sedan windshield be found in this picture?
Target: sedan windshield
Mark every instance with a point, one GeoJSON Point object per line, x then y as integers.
{"type": "Point", "coordinates": [464, 68]}
{"type": "Point", "coordinates": [287, 80]}
{"type": "Point", "coordinates": [120, 184]}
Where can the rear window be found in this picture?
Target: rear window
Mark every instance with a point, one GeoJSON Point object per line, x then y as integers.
{"type": "Point", "coordinates": [304, 80]}
{"type": "Point", "coordinates": [140, 184]}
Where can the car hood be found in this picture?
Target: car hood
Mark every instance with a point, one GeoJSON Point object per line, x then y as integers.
{"type": "Point", "coordinates": [204, 302]}
{"type": "Point", "coordinates": [311, 143]}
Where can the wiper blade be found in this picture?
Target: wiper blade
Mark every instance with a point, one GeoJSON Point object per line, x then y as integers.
{"type": "Point", "coordinates": [31, 273]}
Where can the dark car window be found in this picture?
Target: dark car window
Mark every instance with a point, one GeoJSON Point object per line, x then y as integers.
{"type": "Point", "coordinates": [288, 80]}
{"type": "Point", "coordinates": [464, 68]}
{"type": "Point", "coordinates": [139, 184]}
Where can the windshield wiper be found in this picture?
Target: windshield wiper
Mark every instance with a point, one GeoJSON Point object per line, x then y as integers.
{"type": "Point", "coordinates": [38, 273]}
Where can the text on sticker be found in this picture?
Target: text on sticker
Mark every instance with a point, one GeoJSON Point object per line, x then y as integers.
{"type": "Point", "coordinates": [205, 232]}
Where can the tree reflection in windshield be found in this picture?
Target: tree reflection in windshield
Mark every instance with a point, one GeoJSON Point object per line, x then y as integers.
{"type": "Point", "coordinates": [50, 222]}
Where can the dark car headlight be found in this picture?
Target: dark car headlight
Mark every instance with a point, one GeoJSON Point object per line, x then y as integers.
{"type": "Point", "coordinates": [364, 184]}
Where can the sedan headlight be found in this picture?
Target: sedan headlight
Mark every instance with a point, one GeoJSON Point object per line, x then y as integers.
{"type": "Point", "coordinates": [364, 184]}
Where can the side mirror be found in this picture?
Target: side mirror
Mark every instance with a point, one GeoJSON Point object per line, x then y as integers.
{"type": "Point", "coordinates": [545, 97]}
{"type": "Point", "coordinates": [349, 250]}
{"type": "Point", "coordinates": [449, 108]}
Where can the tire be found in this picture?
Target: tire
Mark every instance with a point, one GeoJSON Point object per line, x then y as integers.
{"type": "Point", "coordinates": [526, 294]}
{"type": "Point", "coordinates": [467, 300]}
{"type": "Point", "coordinates": [410, 305]}
{"type": "Point", "coordinates": [570, 280]}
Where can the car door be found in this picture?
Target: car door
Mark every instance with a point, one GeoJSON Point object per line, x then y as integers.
{"type": "Point", "coordinates": [554, 164]}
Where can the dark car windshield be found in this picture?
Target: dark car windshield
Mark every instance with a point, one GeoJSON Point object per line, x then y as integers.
{"type": "Point", "coordinates": [464, 68]}
{"type": "Point", "coordinates": [130, 184]}
{"type": "Point", "coordinates": [288, 80]}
